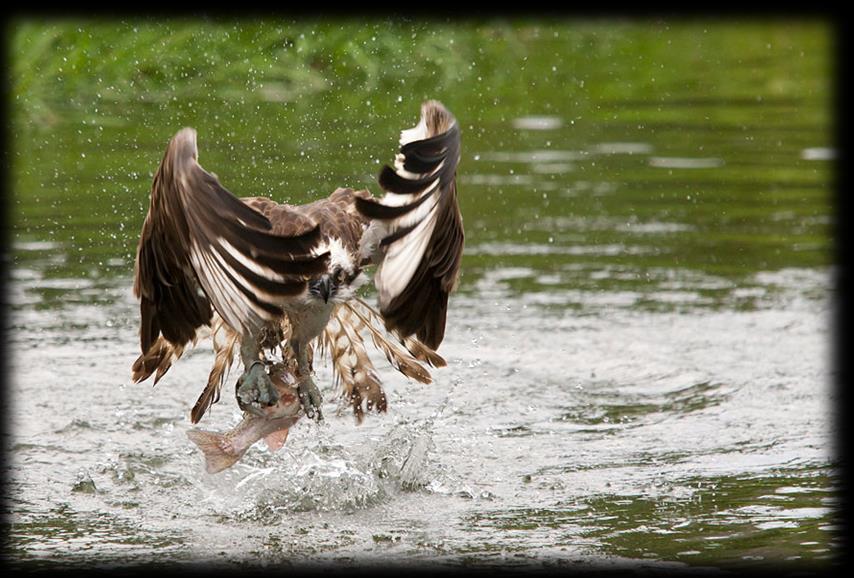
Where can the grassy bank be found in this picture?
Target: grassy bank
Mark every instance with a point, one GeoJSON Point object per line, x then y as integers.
{"type": "Point", "coordinates": [62, 66]}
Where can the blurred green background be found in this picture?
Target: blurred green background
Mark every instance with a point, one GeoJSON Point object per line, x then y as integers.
{"type": "Point", "coordinates": [293, 109]}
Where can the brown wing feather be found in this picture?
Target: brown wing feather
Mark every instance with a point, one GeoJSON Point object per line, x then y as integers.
{"type": "Point", "coordinates": [336, 217]}
{"type": "Point", "coordinates": [225, 348]}
{"type": "Point", "coordinates": [427, 226]}
{"type": "Point", "coordinates": [339, 218]}
{"type": "Point", "coordinates": [158, 358]}
{"type": "Point", "coordinates": [203, 249]}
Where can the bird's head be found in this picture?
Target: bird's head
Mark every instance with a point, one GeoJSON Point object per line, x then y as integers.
{"type": "Point", "coordinates": [342, 279]}
{"type": "Point", "coordinates": [324, 287]}
{"type": "Point", "coordinates": [336, 286]}
{"type": "Point", "coordinates": [329, 286]}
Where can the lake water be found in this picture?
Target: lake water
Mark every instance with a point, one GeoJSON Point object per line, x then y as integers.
{"type": "Point", "coordinates": [639, 354]}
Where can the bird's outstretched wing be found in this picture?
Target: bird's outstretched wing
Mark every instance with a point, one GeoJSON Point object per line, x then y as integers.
{"type": "Point", "coordinates": [416, 236]}
{"type": "Point", "coordinates": [201, 248]}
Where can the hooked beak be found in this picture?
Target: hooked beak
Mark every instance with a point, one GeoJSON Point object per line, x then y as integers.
{"type": "Point", "coordinates": [323, 287]}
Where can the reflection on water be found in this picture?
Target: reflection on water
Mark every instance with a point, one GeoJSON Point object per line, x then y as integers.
{"type": "Point", "coordinates": [537, 122]}
{"type": "Point", "coordinates": [684, 163]}
{"type": "Point", "coordinates": [637, 355]}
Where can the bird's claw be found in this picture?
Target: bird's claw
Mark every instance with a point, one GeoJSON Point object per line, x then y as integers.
{"type": "Point", "coordinates": [255, 390]}
{"type": "Point", "coordinates": [310, 399]}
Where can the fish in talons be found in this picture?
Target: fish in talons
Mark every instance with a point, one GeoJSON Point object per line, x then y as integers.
{"type": "Point", "coordinates": [270, 423]}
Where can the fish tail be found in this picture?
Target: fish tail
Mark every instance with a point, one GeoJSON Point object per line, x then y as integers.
{"type": "Point", "coordinates": [276, 440]}
{"type": "Point", "coordinates": [218, 451]}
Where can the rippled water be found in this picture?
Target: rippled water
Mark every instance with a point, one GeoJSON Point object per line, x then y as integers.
{"type": "Point", "coordinates": [639, 367]}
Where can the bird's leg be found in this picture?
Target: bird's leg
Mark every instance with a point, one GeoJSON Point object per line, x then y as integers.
{"type": "Point", "coordinates": [309, 395]}
{"type": "Point", "coordinates": [254, 388]}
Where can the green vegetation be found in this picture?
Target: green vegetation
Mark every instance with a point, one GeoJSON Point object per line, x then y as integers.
{"type": "Point", "coordinates": [490, 65]}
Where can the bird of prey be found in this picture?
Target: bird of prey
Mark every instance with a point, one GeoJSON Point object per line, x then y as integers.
{"type": "Point", "coordinates": [265, 275]}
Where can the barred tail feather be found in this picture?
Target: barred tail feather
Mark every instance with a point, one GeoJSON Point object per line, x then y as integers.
{"type": "Point", "coordinates": [419, 351]}
{"type": "Point", "coordinates": [222, 364]}
{"type": "Point", "coordinates": [400, 360]}
{"type": "Point", "coordinates": [351, 365]}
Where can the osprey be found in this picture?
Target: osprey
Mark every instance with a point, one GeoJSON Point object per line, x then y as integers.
{"type": "Point", "coordinates": [266, 275]}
